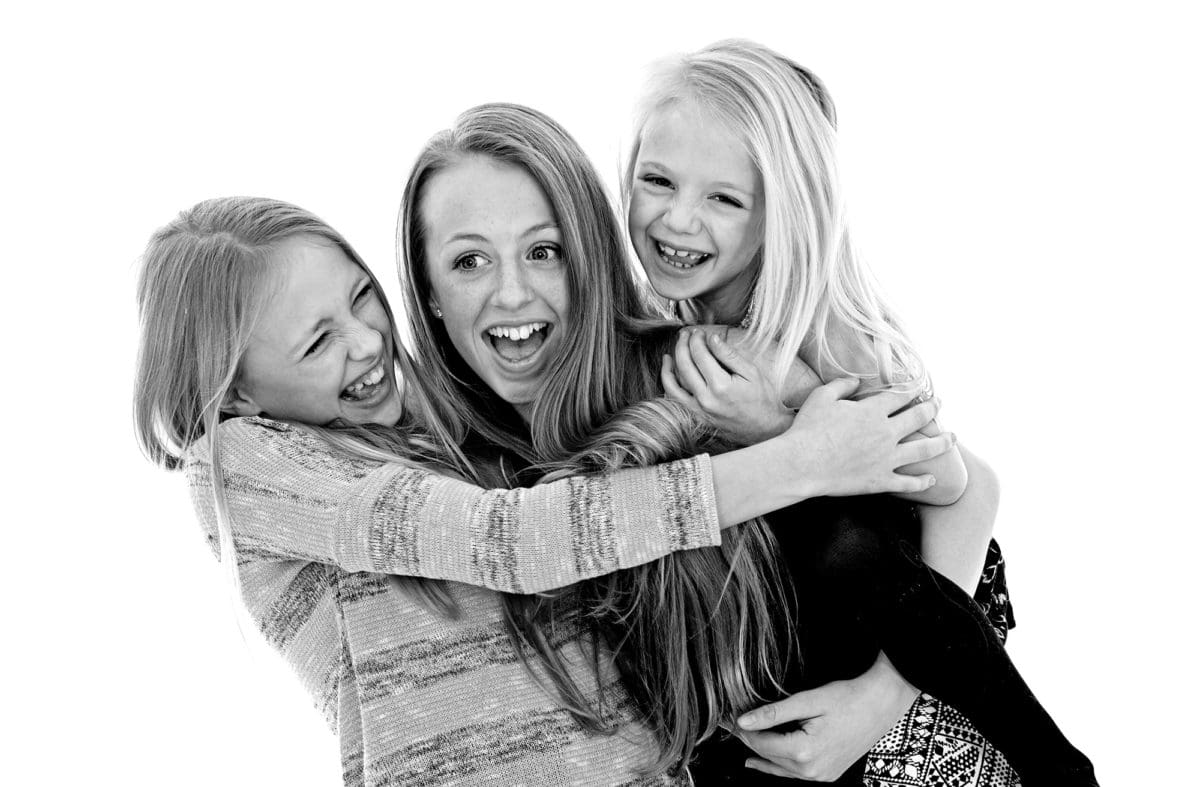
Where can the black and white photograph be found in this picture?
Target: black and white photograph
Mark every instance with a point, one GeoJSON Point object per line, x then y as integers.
{"type": "Point", "coordinates": [537, 394]}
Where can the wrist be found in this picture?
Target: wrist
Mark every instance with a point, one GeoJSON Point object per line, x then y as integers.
{"type": "Point", "coordinates": [795, 465]}
{"type": "Point", "coordinates": [892, 689]}
{"type": "Point", "coordinates": [776, 424]}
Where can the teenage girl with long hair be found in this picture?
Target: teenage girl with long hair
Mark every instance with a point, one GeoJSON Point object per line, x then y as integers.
{"type": "Point", "coordinates": [529, 324]}
{"type": "Point", "coordinates": [327, 478]}
{"type": "Point", "coordinates": [735, 211]}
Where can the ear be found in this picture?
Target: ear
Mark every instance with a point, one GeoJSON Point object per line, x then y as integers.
{"type": "Point", "coordinates": [238, 402]}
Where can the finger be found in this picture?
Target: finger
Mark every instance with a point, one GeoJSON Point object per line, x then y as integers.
{"type": "Point", "coordinates": [835, 389]}
{"type": "Point", "coordinates": [893, 402]}
{"type": "Point", "coordinates": [704, 359]}
{"type": "Point", "coordinates": [924, 448]}
{"type": "Point", "coordinates": [801, 707]}
{"type": "Point", "coordinates": [912, 419]}
{"type": "Point", "coordinates": [671, 386]}
{"type": "Point", "coordinates": [766, 766]}
{"type": "Point", "coordinates": [790, 747]}
{"type": "Point", "coordinates": [730, 358]}
{"type": "Point", "coordinates": [901, 484]}
{"type": "Point", "coordinates": [685, 368]}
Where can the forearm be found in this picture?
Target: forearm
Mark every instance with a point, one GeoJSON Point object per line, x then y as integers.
{"type": "Point", "coordinates": [754, 481]}
{"type": "Point", "coordinates": [894, 694]}
{"type": "Point", "coordinates": [289, 496]}
{"type": "Point", "coordinates": [954, 538]}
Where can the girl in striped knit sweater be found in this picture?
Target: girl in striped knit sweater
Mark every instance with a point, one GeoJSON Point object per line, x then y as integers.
{"type": "Point", "coordinates": [325, 472]}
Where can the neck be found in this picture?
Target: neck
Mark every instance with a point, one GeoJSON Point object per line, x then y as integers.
{"type": "Point", "coordinates": [728, 304]}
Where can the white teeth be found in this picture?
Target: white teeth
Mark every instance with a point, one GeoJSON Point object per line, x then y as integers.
{"type": "Point", "coordinates": [516, 332]}
{"type": "Point", "coordinates": [372, 378]}
{"type": "Point", "coordinates": [694, 256]}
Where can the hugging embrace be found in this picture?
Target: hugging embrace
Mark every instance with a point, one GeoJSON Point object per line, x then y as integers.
{"type": "Point", "coordinates": [584, 532]}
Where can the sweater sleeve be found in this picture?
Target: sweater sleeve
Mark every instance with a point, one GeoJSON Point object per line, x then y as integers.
{"type": "Point", "coordinates": [291, 498]}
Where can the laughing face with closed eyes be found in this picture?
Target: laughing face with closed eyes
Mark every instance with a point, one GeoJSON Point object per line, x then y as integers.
{"type": "Point", "coordinates": [322, 348]}
{"type": "Point", "coordinates": [494, 261]}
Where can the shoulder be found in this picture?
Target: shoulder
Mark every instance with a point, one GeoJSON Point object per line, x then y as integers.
{"type": "Point", "coordinates": [265, 443]}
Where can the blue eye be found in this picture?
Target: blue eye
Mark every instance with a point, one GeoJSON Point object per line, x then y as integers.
{"type": "Point", "coordinates": [656, 180]}
{"type": "Point", "coordinates": [727, 200]}
{"type": "Point", "coordinates": [545, 252]}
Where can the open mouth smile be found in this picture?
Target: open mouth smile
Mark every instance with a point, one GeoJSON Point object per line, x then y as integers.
{"type": "Point", "coordinates": [367, 387]}
{"type": "Point", "coordinates": [684, 259]}
{"type": "Point", "coordinates": [518, 345]}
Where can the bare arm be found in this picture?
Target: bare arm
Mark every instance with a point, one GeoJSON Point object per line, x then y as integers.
{"type": "Point", "coordinates": [954, 538]}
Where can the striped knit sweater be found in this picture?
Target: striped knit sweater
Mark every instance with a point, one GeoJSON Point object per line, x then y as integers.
{"type": "Point", "coordinates": [414, 697]}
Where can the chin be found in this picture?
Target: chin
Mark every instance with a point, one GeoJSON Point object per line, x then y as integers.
{"type": "Point", "coordinates": [672, 290]}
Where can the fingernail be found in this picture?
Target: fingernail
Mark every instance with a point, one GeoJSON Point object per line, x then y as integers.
{"type": "Point", "coordinates": [716, 338]}
{"type": "Point", "coordinates": [745, 720]}
{"type": "Point", "coordinates": [932, 480]}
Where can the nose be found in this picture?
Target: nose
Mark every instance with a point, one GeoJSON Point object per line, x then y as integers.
{"type": "Point", "coordinates": [364, 342]}
{"type": "Point", "coordinates": [680, 217]}
{"type": "Point", "coordinates": [512, 286]}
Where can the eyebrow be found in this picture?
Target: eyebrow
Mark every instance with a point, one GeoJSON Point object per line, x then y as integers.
{"type": "Point", "coordinates": [477, 238]}
{"type": "Point", "coordinates": [545, 225]}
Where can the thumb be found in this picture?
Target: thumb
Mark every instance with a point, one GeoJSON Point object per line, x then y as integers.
{"type": "Point", "coordinates": [730, 357]}
{"type": "Point", "coordinates": [798, 707]}
{"type": "Point", "coordinates": [837, 389]}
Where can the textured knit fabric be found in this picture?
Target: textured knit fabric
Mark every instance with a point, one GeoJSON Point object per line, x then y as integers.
{"type": "Point", "coordinates": [417, 698]}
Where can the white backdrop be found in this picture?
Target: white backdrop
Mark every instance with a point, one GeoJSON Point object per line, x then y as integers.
{"type": "Point", "coordinates": [1023, 180]}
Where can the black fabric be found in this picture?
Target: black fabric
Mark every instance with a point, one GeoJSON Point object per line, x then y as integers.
{"type": "Point", "coordinates": [861, 587]}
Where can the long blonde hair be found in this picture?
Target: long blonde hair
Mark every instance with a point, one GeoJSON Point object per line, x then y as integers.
{"type": "Point", "coordinates": [693, 633]}
{"type": "Point", "coordinates": [811, 283]}
{"type": "Point", "coordinates": [203, 284]}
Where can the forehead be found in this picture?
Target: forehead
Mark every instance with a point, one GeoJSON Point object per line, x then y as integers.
{"type": "Point", "coordinates": [309, 280]}
{"type": "Point", "coordinates": [482, 196]}
{"type": "Point", "coordinates": [683, 134]}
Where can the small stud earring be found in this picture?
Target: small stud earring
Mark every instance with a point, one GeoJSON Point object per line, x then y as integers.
{"type": "Point", "coordinates": [437, 312]}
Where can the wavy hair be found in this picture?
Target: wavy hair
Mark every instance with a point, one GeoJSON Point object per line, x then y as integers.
{"type": "Point", "coordinates": [202, 286]}
{"type": "Point", "coordinates": [813, 294]}
{"type": "Point", "coordinates": [691, 633]}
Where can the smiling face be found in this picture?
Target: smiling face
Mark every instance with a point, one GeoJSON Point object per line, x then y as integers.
{"type": "Point", "coordinates": [695, 211]}
{"type": "Point", "coordinates": [322, 349]}
{"type": "Point", "coordinates": [494, 261]}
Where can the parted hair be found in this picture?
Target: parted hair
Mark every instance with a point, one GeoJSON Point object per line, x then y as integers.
{"type": "Point", "coordinates": [692, 633]}
{"type": "Point", "coordinates": [813, 293]}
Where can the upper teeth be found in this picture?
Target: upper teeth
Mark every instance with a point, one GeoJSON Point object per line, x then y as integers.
{"type": "Point", "coordinates": [516, 331]}
{"type": "Point", "coordinates": [691, 255]}
{"type": "Point", "coordinates": [373, 377]}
